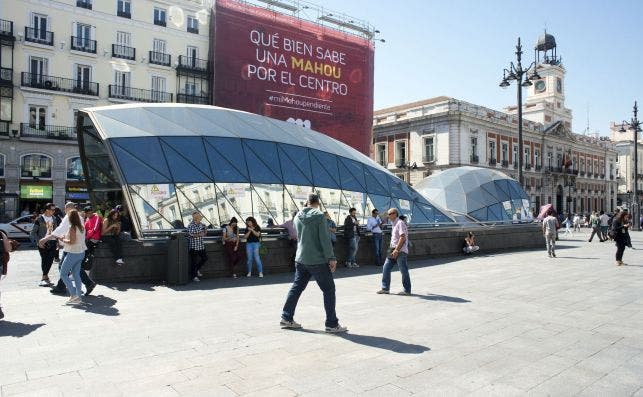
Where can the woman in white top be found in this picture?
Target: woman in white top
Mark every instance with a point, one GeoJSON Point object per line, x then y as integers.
{"type": "Point", "coordinates": [74, 241]}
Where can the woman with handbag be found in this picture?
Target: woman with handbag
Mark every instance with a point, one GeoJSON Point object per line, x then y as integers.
{"type": "Point", "coordinates": [253, 243]}
{"type": "Point", "coordinates": [231, 244]}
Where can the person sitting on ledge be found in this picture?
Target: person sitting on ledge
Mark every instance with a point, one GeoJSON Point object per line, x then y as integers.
{"type": "Point", "coordinates": [470, 244]}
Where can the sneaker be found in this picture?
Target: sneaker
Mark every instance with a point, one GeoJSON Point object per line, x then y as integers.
{"type": "Point", "coordinates": [349, 265]}
{"type": "Point", "coordinates": [336, 330]}
{"type": "Point", "coordinates": [249, 275]}
{"type": "Point", "coordinates": [58, 291]}
{"type": "Point", "coordinates": [382, 291]}
{"type": "Point", "coordinates": [405, 293]}
{"type": "Point", "coordinates": [234, 275]}
{"type": "Point", "coordinates": [196, 279]}
{"type": "Point", "coordinates": [199, 274]}
{"type": "Point", "coordinates": [74, 300]}
{"type": "Point", "coordinates": [120, 262]}
{"type": "Point", "coordinates": [260, 275]}
{"type": "Point", "coordinates": [90, 288]}
{"type": "Point", "coordinates": [553, 255]}
{"type": "Point", "coordinates": [355, 264]}
{"type": "Point", "coordinates": [285, 324]}
{"type": "Point", "coordinates": [45, 283]}
{"type": "Point", "coordinates": [549, 255]}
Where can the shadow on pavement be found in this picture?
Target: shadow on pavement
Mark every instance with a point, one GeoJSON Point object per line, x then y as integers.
{"type": "Point", "coordinates": [127, 286]}
{"type": "Point", "coordinates": [441, 298]}
{"type": "Point", "coordinates": [17, 330]}
{"type": "Point", "coordinates": [99, 304]}
{"type": "Point", "coordinates": [575, 257]}
{"type": "Point", "coordinates": [379, 342]}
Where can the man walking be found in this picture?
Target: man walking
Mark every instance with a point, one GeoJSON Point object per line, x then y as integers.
{"type": "Point", "coordinates": [44, 225]}
{"type": "Point", "coordinates": [196, 232]}
{"type": "Point", "coordinates": [373, 225]}
{"type": "Point", "coordinates": [398, 253]}
{"type": "Point", "coordinates": [351, 233]}
{"type": "Point", "coordinates": [314, 258]}
{"type": "Point", "coordinates": [604, 219]}
{"type": "Point", "coordinates": [549, 230]}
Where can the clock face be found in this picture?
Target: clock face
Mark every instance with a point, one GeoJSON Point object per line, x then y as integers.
{"type": "Point", "coordinates": [559, 85]}
{"type": "Point", "coordinates": [540, 86]}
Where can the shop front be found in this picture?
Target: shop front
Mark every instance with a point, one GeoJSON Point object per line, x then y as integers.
{"type": "Point", "coordinates": [76, 192]}
{"type": "Point", "coordinates": [34, 196]}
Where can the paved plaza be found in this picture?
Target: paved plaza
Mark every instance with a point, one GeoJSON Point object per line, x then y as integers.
{"type": "Point", "coordinates": [505, 324]}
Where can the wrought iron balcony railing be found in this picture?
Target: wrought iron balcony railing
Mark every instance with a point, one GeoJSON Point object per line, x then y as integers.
{"type": "Point", "coordinates": [492, 161]}
{"type": "Point", "coordinates": [6, 76]}
{"type": "Point", "coordinates": [54, 83]}
{"type": "Point", "coordinates": [192, 64]}
{"type": "Point", "coordinates": [83, 44]}
{"type": "Point", "coordinates": [6, 28]}
{"type": "Point", "coordinates": [159, 58]}
{"type": "Point", "coordinates": [538, 167]}
{"type": "Point", "coordinates": [39, 36]}
{"type": "Point", "coordinates": [124, 14]}
{"type": "Point", "coordinates": [47, 131]}
{"type": "Point", "coordinates": [160, 22]}
{"type": "Point", "coordinates": [474, 159]}
{"type": "Point", "coordinates": [193, 30]}
{"type": "Point", "coordinates": [138, 94]}
{"type": "Point", "coordinates": [196, 99]}
{"type": "Point", "coordinates": [124, 52]}
{"type": "Point", "coordinates": [527, 166]}
{"type": "Point", "coordinates": [84, 4]}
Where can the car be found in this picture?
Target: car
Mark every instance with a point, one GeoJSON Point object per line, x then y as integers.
{"type": "Point", "coordinates": [18, 228]}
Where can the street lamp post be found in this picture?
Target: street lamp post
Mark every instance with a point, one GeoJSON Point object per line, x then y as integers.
{"type": "Point", "coordinates": [635, 125]}
{"type": "Point", "coordinates": [516, 72]}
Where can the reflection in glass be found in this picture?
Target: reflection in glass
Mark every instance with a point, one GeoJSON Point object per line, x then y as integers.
{"type": "Point", "coordinates": [268, 203]}
{"type": "Point", "coordinates": [36, 165]}
{"type": "Point", "coordinates": [331, 200]}
{"type": "Point", "coordinates": [74, 169]}
{"type": "Point", "coordinates": [356, 200]}
{"type": "Point", "coordinates": [234, 199]}
{"type": "Point", "coordinates": [200, 197]}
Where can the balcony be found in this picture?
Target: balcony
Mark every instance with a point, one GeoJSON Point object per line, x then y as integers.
{"type": "Point", "coordinates": [527, 167]}
{"type": "Point", "coordinates": [538, 167]}
{"type": "Point", "coordinates": [493, 161]}
{"type": "Point", "coordinates": [474, 159]}
{"type": "Point", "coordinates": [192, 64]}
{"type": "Point", "coordinates": [53, 83]}
{"type": "Point", "coordinates": [48, 132]}
{"type": "Point", "coordinates": [83, 44]}
{"type": "Point", "coordinates": [84, 4]}
{"type": "Point", "coordinates": [39, 36]}
{"type": "Point", "coordinates": [124, 14]}
{"type": "Point", "coordinates": [574, 172]}
{"type": "Point", "coordinates": [6, 77]}
{"type": "Point", "coordinates": [124, 52]}
{"type": "Point", "coordinates": [196, 99]}
{"type": "Point", "coordinates": [160, 22]}
{"type": "Point", "coordinates": [428, 159]}
{"type": "Point", "coordinates": [582, 173]}
{"type": "Point", "coordinates": [138, 94]}
{"type": "Point", "coordinates": [611, 177]}
{"type": "Point", "coordinates": [602, 176]}
{"type": "Point", "coordinates": [193, 30]}
{"type": "Point", "coordinates": [504, 163]}
{"type": "Point", "coordinates": [590, 175]}
{"type": "Point", "coordinates": [6, 29]}
{"type": "Point", "coordinates": [159, 58]}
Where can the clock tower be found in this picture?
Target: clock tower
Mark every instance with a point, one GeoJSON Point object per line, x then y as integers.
{"type": "Point", "coordinates": [545, 102]}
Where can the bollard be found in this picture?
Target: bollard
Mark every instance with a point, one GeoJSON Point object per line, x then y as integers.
{"type": "Point", "coordinates": [178, 263]}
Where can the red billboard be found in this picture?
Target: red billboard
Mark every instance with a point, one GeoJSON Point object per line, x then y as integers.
{"type": "Point", "coordinates": [295, 70]}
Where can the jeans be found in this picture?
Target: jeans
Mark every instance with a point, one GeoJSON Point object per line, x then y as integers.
{"type": "Point", "coordinates": [324, 279]}
{"type": "Point", "coordinates": [352, 249]}
{"type": "Point", "coordinates": [197, 259]}
{"type": "Point", "coordinates": [404, 269]}
{"type": "Point", "coordinates": [620, 248]}
{"type": "Point", "coordinates": [71, 263]}
{"type": "Point", "coordinates": [377, 243]}
{"type": "Point", "coordinates": [252, 252]}
{"type": "Point", "coordinates": [46, 259]}
{"type": "Point", "coordinates": [550, 240]}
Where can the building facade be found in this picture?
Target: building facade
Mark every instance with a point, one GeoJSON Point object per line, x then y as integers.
{"type": "Point", "coordinates": [624, 144]}
{"type": "Point", "coordinates": [574, 172]}
{"type": "Point", "coordinates": [61, 56]}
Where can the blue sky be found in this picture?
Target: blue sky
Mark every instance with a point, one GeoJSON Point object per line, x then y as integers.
{"type": "Point", "coordinates": [458, 48]}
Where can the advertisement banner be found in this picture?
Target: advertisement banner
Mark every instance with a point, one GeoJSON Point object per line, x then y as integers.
{"type": "Point", "coordinates": [294, 70]}
{"type": "Point", "coordinates": [35, 192]}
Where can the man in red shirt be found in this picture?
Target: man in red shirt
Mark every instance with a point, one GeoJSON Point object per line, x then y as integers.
{"type": "Point", "coordinates": [93, 229]}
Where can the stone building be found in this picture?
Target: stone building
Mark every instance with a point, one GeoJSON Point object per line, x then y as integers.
{"type": "Point", "coordinates": [574, 172]}
{"type": "Point", "coordinates": [624, 144]}
{"type": "Point", "coordinates": [58, 56]}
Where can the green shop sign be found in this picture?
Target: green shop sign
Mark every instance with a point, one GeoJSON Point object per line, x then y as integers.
{"type": "Point", "coordinates": [35, 192]}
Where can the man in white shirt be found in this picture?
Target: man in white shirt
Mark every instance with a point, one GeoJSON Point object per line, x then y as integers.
{"type": "Point", "coordinates": [549, 226]}
{"type": "Point", "coordinates": [604, 219]}
{"type": "Point", "coordinates": [373, 225]}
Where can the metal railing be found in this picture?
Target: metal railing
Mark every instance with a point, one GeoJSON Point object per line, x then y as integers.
{"type": "Point", "coordinates": [527, 166]}
{"type": "Point", "coordinates": [84, 4]}
{"type": "Point", "coordinates": [538, 167]}
{"type": "Point", "coordinates": [504, 163]}
{"type": "Point", "coordinates": [83, 44]}
{"type": "Point", "coordinates": [193, 64]}
{"type": "Point", "coordinates": [124, 52]}
{"type": "Point", "coordinates": [54, 83]}
{"type": "Point", "coordinates": [196, 99]}
{"type": "Point", "coordinates": [39, 36]}
{"type": "Point", "coordinates": [6, 75]}
{"type": "Point", "coordinates": [160, 22]}
{"type": "Point", "coordinates": [493, 161]}
{"type": "Point", "coordinates": [193, 30]}
{"type": "Point", "coordinates": [159, 58]}
{"type": "Point", "coordinates": [47, 132]}
{"type": "Point", "coordinates": [138, 94]}
{"type": "Point", "coordinates": [6, 28]}
{"type": "Point", "coordinates": [124, 14]}
{"type": "Point", "coordinates": [474, 159]}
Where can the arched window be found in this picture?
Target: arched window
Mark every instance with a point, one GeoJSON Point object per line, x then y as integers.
{"type": "Point", "coordinates": [35, 165]}
{"type": "Point", "coordinates": [2, 159]}
{"type": "Point", "coordinates": [75, 169]}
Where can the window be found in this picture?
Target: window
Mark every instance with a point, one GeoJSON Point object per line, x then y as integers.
{"type": "Point", "coordinates": [582, 165]}
{"type": "Point", "coordinates": [121, 84]}
{"type": "Point", "coordinates": [2, 159]}
{"type": "Point", "coordinates": [474, 146]}
{"type": "Point", "coordinates": [159, 17]}
{"type": "Point", "coordinates": [400, 153]}
{"type": "Point", "coordinates": [537, 158]}
{"type": "Point", "coordinates": [193, 25]}
{"type": "Point", "coordinates": [515, 156]}
{"type": "Point", "coordinates": [549, 158]}
{"type": "Point", "coordinates": [190, 88]}
{"type": "Point", "coordinates": [123, 47]}
{"type": "Point", "coordinates": [429, 149]}
{"type": "Point", "coordinates": [492, 151]}
{"type": "Point", "coordinates": [37, 117]}
{"type": "Point", "coordinates": [74, 169]}
{"type": "Point", "coordinates": [38, 31]}
{"type": "Point", "coordinates": [159, 46]}
{"type": "Point", "coordinates": [193, 55]}
{"type": "Point", "coordinates": [380, 153]}
{"type": "Point", "coordinates": [527, 157]}
{"type": "Point", "coordinates": [83, 78]}
{"type": "Point", "coordinates": [504, 151]}
{"type": "Point", "coordinates": [38, 67]}
{"type": "Point", "coordinates": [158, 83]}
{"type": "Point", "coordinates": [82, 41]}
{"type": "Point", "coordinates": [84, 4]}
{"type": "Point", "coordinates": [124, 8]}
{"type": "Point", "coordinates": [35, 165]}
